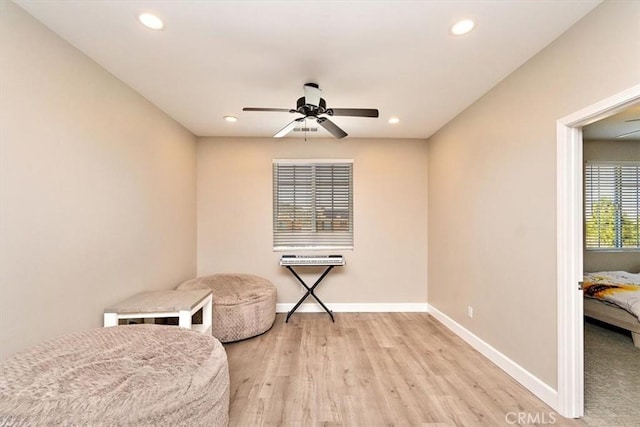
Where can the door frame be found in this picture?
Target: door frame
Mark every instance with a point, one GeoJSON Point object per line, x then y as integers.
{"type": "Point", "coordinates": [570, 246]}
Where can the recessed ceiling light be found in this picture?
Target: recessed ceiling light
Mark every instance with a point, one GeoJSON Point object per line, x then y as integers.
{"type": "Point", "coordinates": [462, 27]}
{"type": "Point", "coordinates": [232, 119]}
{"type": "Point", "coordinates": [150, 20]}
{"type": "Point", "coordinates": [394, 120]}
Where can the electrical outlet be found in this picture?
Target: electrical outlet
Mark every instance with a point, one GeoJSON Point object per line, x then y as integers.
{"type": "Point", "coordinates": [470, 311]}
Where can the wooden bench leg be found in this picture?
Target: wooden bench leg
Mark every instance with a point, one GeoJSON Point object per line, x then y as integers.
{"type": "Point", "coordinates": [110, 319]}
{"type": "Point", "coordinates": [636, 338]}
{"type": "Point", "coordinates": [184, 319]}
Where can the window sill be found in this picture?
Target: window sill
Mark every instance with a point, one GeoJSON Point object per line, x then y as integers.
{"type": "Point", "coordinates": [614, 250]}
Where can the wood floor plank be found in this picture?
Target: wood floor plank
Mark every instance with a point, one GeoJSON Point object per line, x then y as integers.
{"type": "Point", "coordinates": [372, 369]}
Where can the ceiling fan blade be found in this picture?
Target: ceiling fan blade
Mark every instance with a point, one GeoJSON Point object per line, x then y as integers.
{"type": "Point", "coordinates": [277, 110]}
{"type": "Point", "coordinates": [626, 134]}
{"type": "Point", "coordinates": [353, 112]}
{"type": "Point", "coordinates": [312, 94]}
{"type": "Point", "coordinates": [288, 128]}
{"type": "Point", "coordinates": [331, 127]}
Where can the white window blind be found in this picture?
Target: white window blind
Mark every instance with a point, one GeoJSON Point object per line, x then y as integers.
{"type": "Point", "coordinates": [612, 205]}
{"type": "Point", "coordinates": [312, 204]}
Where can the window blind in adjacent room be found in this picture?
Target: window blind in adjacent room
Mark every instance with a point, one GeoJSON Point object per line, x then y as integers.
{"type": "Point", "coordinates": [312, 204]}
{"type": "Point", "coordinates": [612, 205]}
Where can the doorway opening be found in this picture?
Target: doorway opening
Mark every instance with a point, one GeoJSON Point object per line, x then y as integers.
{"type": "Point", "coordinates": [570, 262]}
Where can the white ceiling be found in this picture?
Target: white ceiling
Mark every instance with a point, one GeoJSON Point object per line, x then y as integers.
{"type": "Point", "coordinates": [623, 126]}
{"type": "Point", "coordinates": [215, 57]}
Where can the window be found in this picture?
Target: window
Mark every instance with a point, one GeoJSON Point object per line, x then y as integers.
{"type": "Point", "coordinates": [612, 205]}
{"type": "Point", "coordinates": [312, 204]}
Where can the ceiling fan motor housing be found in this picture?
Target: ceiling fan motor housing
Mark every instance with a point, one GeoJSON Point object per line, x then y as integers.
{"type": "Point", "coordinates": [310, 110]}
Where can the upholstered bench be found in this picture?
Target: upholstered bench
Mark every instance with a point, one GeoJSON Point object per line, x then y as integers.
{"type": "Point", "coordinates": [125, 375]}
{"type": "Point", "coordinates": [244, 305]}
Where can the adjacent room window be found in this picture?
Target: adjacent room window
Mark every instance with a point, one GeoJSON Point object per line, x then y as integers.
{"type": "Point", "coordinates": [312, 204]}
{"type": "Point", "coordinates": [612, 205]}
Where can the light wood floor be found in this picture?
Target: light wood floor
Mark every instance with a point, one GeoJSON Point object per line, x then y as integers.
{"type": "Point", "coordinates": [372, 369]}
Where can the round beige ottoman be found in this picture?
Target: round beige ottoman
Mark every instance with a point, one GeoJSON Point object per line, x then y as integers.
{"type": "Point", "coordinates": [244, 305]}
{"type": "Point", "coordinates": [138, 375]}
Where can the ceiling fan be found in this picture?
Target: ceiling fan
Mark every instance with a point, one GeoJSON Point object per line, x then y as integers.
{"type": "Point", "coordinates": [633, 132]}
{"type": "Point", "coordinates": [311, 105]}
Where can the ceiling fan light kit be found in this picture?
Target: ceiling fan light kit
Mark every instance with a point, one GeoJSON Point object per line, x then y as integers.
{"type": "Point", "coordinates": [312, 94]}
{"type": "Point", "coordinates": [313, 106]}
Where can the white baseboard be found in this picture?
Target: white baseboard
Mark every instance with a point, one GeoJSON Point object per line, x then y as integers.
{"type": "Point", "coordinates": [542, 390]}
{"type": "Point", "coordinates": [356, 307]}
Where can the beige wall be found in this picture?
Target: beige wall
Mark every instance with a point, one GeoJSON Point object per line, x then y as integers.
{"type": "Point", "coordinates": [388, 263]}
{"type": "Point", "coordinates": [492, 187]}
{"type": "Point", "coordinates": [611, 260]}
{"type": "Point", "coordinates": [97, 188]}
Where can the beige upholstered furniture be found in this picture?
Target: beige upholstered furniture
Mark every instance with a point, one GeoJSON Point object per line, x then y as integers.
{"type": "Point", "coordinates": [244, 305]}
{"type": "Point", "coordinates": [135, 375]}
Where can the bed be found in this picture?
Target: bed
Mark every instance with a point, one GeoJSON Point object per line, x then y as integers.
{"type": "Point", "coordinates": [613, 297]}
